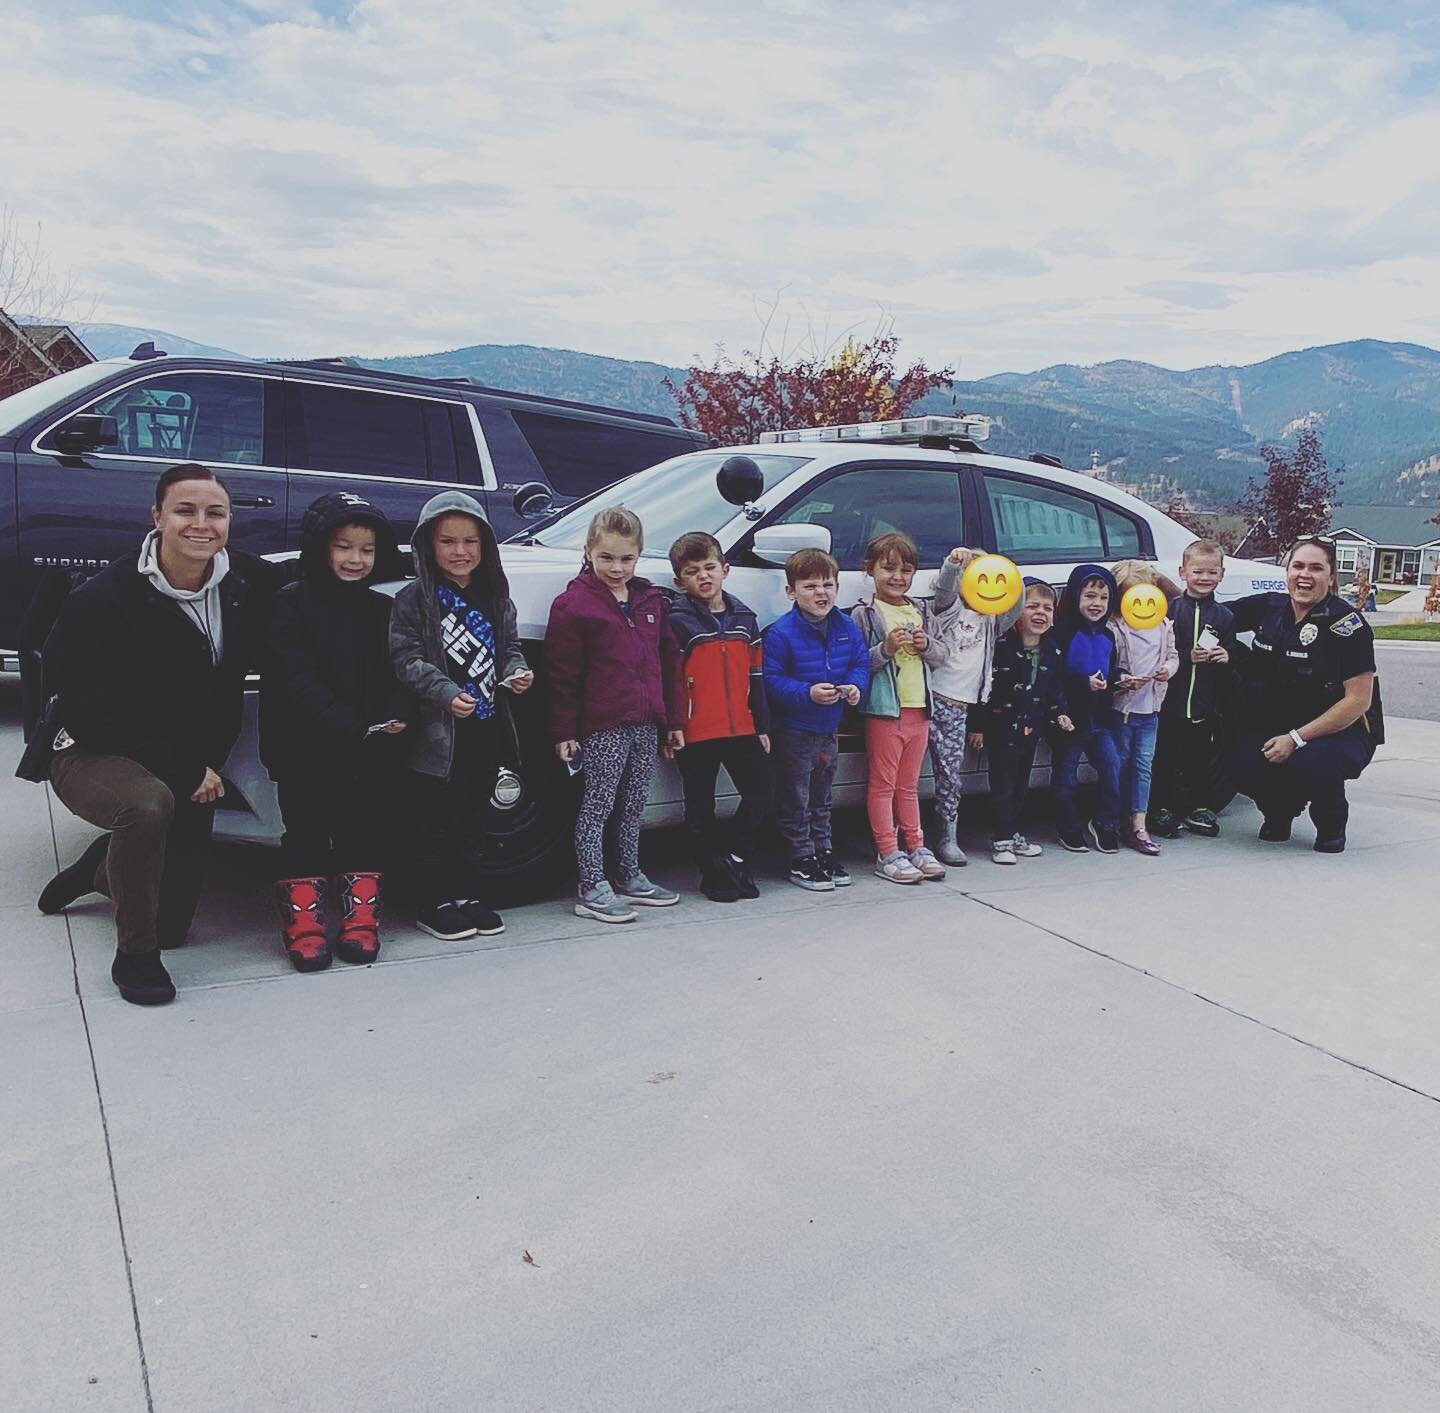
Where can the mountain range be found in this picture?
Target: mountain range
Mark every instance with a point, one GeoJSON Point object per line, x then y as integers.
{"type": "Point", "coordinates": [1376, 406]}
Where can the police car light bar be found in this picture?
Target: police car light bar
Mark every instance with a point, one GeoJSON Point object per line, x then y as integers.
{"type": "Point", "coordinates": [898, 431]}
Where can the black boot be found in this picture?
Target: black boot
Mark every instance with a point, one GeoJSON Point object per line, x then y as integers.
{"type": "Point", "coordinates": [76, 881]}
{"type": "Point", "coordinates": [716, 880]}
{"type": "Point", "coordinates": [743, 879]}
{"type": "Point", "coordinates": [142, 978]}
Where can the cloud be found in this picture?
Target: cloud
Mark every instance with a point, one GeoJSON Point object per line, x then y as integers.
{"type": "Point", "coordinates": [396, 176]}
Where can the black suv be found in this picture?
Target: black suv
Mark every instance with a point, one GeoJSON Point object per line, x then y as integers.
{"type": "Point", "coordinates": [79, 453]}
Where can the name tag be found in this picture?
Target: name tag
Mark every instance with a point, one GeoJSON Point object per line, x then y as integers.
{"type": "Point", "coordinates": [1289, 652]}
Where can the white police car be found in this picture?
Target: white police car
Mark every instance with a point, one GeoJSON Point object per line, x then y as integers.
{"type": "Point", "coordinates": [834, 488]}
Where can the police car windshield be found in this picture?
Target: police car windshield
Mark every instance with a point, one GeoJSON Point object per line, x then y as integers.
{"type": "Point", "coordinates": [17, 409]}
{"type": "Point", "coordinates": [671, 498]}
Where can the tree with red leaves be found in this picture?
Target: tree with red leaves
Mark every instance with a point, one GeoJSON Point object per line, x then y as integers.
{"type": "Point", "coordinates": [733, 402]}
{"type": "Point", "coordinates": [1295, 497]}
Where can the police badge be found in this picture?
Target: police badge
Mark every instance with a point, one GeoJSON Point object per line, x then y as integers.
{"type": "Point", "coordinates": [1308, 634]}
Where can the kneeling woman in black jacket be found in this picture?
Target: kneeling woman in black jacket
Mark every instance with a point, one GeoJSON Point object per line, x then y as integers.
{"type": "Point", "coordinates": [329, 701]}
{"type": "Point", "coordinates": [149, 660]}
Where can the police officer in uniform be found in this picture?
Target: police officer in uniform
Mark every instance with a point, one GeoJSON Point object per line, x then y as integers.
{"type": "Point", "coordinates": [1313, 705]}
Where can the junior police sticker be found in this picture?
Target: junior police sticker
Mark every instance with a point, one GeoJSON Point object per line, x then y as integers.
{"type": "Point", "coordinates": [1308, 634]}
{"type": "Point", "coordinates": [1344, 627]}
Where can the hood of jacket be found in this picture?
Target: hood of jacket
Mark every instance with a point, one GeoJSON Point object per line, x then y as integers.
{"type": "Point", "coordinates": [491, 573]}
{"type": "Point", "coordinates": [149, 566]}
{"type": "Point", "coordinates": [1068, 618]}
{"type": "Point", "coordinates": [326, 515]}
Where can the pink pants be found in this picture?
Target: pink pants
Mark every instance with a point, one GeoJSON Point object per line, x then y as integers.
{"type": "Point", "coordinates": [896, 751]}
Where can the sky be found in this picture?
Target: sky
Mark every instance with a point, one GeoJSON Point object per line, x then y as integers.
{"type": "Point", "coordinates": [1011, 185]}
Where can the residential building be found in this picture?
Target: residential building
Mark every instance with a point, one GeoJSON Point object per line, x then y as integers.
{"type": "Point", "coordinates": [30, 353]}
{"type": "Point", "coordinates": [1398, 546]}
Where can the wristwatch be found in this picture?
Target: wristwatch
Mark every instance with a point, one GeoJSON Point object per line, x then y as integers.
{"type": "Point", "coordinates": [1298, 739]}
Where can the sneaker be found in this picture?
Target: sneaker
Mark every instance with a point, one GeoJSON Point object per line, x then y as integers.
{"type": "Point", "coordinates": [743, 879]}
{"type": "Point", "coordinates": [1165, 824]}
{"type": "Point", "coordinates": [1275, 831]}
{"type": "Point", "coordinates": [1331, 844]}
{"type": "Point", "coordinates": [1203, 822]}
{"type": "Point", "coordinates": [1002, 851]}
{"type": "Point", "coordinates": [485, 922]}
{"type": "Point", "coordinates": [1107, 841]}
{"type": "Point", "coordinates": [601, 903]}
{"type": "Point", "coordinates": [807, 873]}
{"type": "Point", "coordinates": [897, 868]}
{"type": "Point", "coordinates": [448, 922]}
{"type": "Point", "coordinates": [647, 894]}
{"type": "Point", "coordinates": [930, 867]}
{"type": "Point", "coordinates": [1024, 849]}
{"type": "Point", "coordinates": [829, 860]}
{"type": "Point", "coordinates": [1074, 842]}
{"type": "Point", "coordinates": [718, 881]}
{"type": "Point", "coordinates": [142, 979]}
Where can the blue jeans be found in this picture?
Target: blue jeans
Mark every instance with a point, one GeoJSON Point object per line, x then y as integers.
{"type": "Point", "coordinates": [1135, 744]}
{"type": "Point", "coordinates": [804, 764]}
{"type": "Point", "coordinates": [1098, 745]}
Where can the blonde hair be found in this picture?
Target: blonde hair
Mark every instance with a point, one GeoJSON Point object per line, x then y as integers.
{"type": "Point", "coordinates": [615, 521]}
{"type": "Point", "coordinates": [1209, 547]}
{"type": "Point", "coordinates": [1129, 572]}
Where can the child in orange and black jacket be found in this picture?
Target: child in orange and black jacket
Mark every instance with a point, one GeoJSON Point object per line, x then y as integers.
{"type": "Point", "coordinates": [727, 716]}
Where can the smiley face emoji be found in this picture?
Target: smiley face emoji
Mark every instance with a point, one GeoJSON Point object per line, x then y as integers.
{"type": "Point", "coordinates": [1143, 607]}
{"type": "Point", "coordinates": [991, 584]}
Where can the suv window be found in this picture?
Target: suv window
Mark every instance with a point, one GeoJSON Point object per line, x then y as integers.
{"type": "Point", "coordinates": [1036, 524]}
{"type": "Point", "coordinates": [358, 433]}
{"type": "Point", "coordinates": [1122, 534]}
{"type": "Point", "coordinates": [855, 506]}
{"type": "Point", "coordinates": [213, 418]}
{"type": "Point", "coordinates": [579, 456]}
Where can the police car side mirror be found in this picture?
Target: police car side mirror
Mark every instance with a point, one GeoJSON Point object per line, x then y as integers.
{"type": "Point", "coordinates": [531, 500]}
{"type": "Point", "coordinates": [87, 432]}
{"type": "Point", "coordinates": [776, 543]}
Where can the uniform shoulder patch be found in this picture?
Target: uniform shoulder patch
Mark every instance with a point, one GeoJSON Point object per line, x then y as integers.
{"type": "Point", "coordinates": [1344, 627]}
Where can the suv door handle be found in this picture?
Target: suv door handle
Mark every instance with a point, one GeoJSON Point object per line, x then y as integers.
{"type": "Point", "coordinates": [252, 502]}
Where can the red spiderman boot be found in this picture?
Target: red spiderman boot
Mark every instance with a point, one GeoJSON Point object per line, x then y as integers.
{"type": "Point", "coordinates": [362, 897]}
{"type": "Point", "coordinates": [301, 903]}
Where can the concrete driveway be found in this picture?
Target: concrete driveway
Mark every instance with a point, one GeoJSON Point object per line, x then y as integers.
{"type": "Point", "coordinates": [1088, 1133]}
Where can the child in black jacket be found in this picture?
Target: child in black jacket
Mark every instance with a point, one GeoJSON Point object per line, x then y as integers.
{"type": "Point", "coordinates": [1027, 701]}
{"type": "Point", "coordinates": [329, 701]}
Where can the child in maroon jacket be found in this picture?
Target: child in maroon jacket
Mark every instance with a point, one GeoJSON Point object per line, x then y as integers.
{"type": "Point", "coordinates": [614, 678]}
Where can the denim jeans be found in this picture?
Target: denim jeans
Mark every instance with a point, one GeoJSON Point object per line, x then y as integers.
{"type": "Point", "coordinates": [1135, 743]}
{"type": "Point", "coordinates": [804, 772]}
{"type": "Point", "coordinates": [1098, 745]}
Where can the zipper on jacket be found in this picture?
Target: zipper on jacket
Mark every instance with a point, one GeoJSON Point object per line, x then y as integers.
{"type": "Point", "coordinates": [1194, 638]}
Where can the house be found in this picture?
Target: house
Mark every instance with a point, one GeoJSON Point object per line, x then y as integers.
{"type": "Point", "coordinates": [1396, 545]}
{"type": "Point", "coordinates": [30, 353]}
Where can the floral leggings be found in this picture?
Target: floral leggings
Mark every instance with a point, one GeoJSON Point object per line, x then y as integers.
{"type": "Point", "coordinates": [618, 766]}
{"type": "Point", "coordinates": [947, 753]}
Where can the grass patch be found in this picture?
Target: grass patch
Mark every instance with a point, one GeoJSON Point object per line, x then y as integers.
{"type": "Point", "coordinates": [1384, 596]}
{"type": "Point", "coordinates": [1411, 632]}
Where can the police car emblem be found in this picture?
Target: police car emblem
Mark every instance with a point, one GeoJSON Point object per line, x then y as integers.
{"type": "Point", "coordinates": [1308, 634]}
{"type": "Point", "coordinates": [1344, 627]}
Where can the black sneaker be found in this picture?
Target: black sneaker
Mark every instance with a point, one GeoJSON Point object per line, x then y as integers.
{"type": "Point", "coordinates": [1275, 831]}
{"type": "Point", "coordinates": [73, 883]}
{"type": "Point", "coordinates": [1331, 844]}
{"type": "Point", "coordinates": [1164, 825]}
{"type": "Point", "coordinates": [829, 860]}
{"type": "Point", "coordinates": [717, 881]}
{"type": "Point", "coordinates": [1107, 841]}
{"type": "Point", "coordinates": [485, 922]}
{"type": "Point", "coordinates": [142, 979]}
{"type": "Point", "coordinates": [741, 876]}
{"type": "Point", "coordinates": [448, 922]}
{"type": "Point", "coordinates": [1203, 822]}
{"type": "Point", "coordinates": [807, 873]}
{"type": "Point", "coordinates": [1074, 842]}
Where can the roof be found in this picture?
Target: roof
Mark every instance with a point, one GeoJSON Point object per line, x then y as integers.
{"type": "Point", "coordinates": [1400, 526]}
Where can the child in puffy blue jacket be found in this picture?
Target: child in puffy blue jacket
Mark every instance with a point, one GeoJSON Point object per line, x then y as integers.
{"type": "Point", "coordinates": [816, 661]}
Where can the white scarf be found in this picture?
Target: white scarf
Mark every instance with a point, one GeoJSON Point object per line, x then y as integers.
{"type": "Point", "coordinates": [201, 606]}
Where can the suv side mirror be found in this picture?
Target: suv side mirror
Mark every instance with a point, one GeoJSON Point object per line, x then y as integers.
{"type": "Point", "coordinates": [532, 500]}
{"type": "Point", "coordinates": [739, 480]}
{"type": "Point", "coordinates": [776, 543]}
{"type": "Point", "coordinates": [87, 432]}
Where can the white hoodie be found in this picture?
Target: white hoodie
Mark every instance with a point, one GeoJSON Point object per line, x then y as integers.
{"type": "Point", "coordinates": [201, 606]}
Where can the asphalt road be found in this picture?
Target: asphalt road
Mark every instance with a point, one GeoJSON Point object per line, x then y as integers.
{"type": "Point", "coordinates": [1410, 679]}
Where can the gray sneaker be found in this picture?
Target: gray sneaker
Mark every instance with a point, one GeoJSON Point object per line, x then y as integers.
{"type": "Point", "coordinates": [601, 903]}
{"type": "Point", "coordinates": [927, 863]}
{"type": "Point", "coordinates": [1024, 849]}
{"type": "Point", "coordinates": [642, 891]}
{"type": "Point", "coordinates": [897, 868]}
{"type": "Point", "coordinates": [1002, 851]}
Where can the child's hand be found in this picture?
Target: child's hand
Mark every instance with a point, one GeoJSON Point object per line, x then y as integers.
{"type": "Point", "coordinates": [567, 750]}
{"type": "Point", "coordinates": [1097, 682]}
{"type": "Point", "coordinates": [674, 741]}
{"type": "Point", "coordinates": [1199, 654]}
{"type": "Point", "coordinates": [895, 639]}
{"type": "Point", "coordinates": [961, 556]}
{"type": "Point", "coordinates": [211, 788]}
{"type": "Point", "coordinates": [918, 640]}
{"type": "Point", "coordinates": [1064, 723]}
{"type": "Point", "coordinates": [521, 682]}
{"type": "Point", "coordinates": [849, 694]}
{"type": "Point", "coordinates": [1220, 655]}
{"type": "Point", "coordinates": [976, 740]}
{"type": "Point", "coordinates": [1128, 682]}
{"type": "Point", "coordinates": [764, 742]}
{"type": "Point", "coordinates": [462, 705]}
{"type": "Point", "coordinates": [824, 694]}
{"type": "Point", "coordinates": [1162, 674]}
{"type": "Point", "coordinates": [393, 728]}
